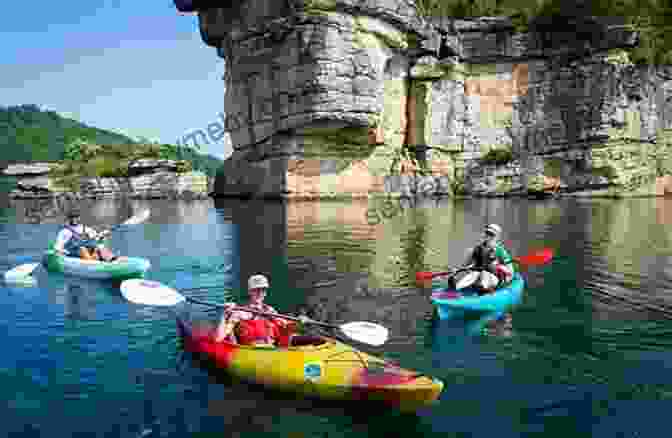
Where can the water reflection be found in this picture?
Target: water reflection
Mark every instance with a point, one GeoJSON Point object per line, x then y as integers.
{"type": "Point", "coordinates": [491, 324]}
{"type": "Point", "coordinates": [111, 211]}
{"type": "Point", "coordinates": [262, 242]}
{"type": "Point", "coordinates": [75, 304]}
{"type": "Point", "coordinates": [326, 257]}
{"type": "Point", "coordinates": [76, 299]}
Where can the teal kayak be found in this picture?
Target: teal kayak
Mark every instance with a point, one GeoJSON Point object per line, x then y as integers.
{"type": "Point", "coordinates": [124, 268]}
{"type": "Point", "coordinates": [451, 303]}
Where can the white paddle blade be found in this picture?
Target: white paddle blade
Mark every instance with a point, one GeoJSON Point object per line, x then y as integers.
{"type": "Point", "coordinates": [138, 218]}
{"type": "Point", "coordinates": [366, 332]}
{"type": "Point", "coordinates": [150, 293]}
{"type": "Point", "coordinates": [21, 273]}
{"type": "Point", "coordinates": [469, 279]}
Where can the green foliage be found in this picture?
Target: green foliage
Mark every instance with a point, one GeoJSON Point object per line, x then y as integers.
{"type": "Point", "coordinates": [608, 172]}
{"type": "Point", "coordinates": [69, 173]}
{"type": "Point", "coordinates": [204, 163]}
{"type": "Point", "coordinates": [29, 134]}
{"type": "Point", "coordinates": [108, 167]}
{"type": "Point", "coordinates": [651, 18]}
{"type": "Point", "coordinates": [519, 11]}
{"type": "Point", "coordinates": [184, 166]}
{"type": "Point", "coordinates": [82, 159]}
{"type": "Point", "coordinates": [498, 157]}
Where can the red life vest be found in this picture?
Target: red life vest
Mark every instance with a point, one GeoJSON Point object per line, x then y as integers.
{"type": "Point", "coordinates": [256, 330]}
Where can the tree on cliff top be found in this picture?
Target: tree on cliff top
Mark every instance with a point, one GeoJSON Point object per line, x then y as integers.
{"type": "Point", "coordinates": [29, 133]}
{"type": "Point", "coordinates": [652, 19]}
{"type": "Point", "coordinates": [84, 159]}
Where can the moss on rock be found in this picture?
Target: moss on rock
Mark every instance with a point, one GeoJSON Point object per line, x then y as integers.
{"type": "Point", "coordinates": [619, 57]}
{"type": "Point", "coordinates": [393, 118]}
{"type": "Point", "coordinates": [313, 6]}
{"type": "Point", "coordinates": [438, 70]}
{"type": "Point", "coordinates": [609, 171]}
{"type": "Point", "coordinates": [385, 32]}
{"type": "Point", "coordinates": [343, 145]}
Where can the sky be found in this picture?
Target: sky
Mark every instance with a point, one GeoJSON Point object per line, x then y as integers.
{"type": "Point", "coordinates": [135, 67]}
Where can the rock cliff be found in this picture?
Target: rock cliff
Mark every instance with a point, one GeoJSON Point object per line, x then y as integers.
{"type": "Point", "coordinates": [148, 179]}
{"type": "Point", "coordinates": [324, 98]}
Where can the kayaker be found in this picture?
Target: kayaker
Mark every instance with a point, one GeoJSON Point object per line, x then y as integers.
{"type": "Point", "coordinates": [248, 328]}
{"type": "Point", "coordinates": [76, 240]}
{"type": "Point", "coordinates": [492, 259]}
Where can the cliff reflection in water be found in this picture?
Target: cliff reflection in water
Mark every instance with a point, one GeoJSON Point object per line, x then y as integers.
{"type": "Point", "coordinates": [605, 248]}
{"type": "Point", "coordinates": [111, 211]}
{"type": "Point", "coordinates": [328, 256]}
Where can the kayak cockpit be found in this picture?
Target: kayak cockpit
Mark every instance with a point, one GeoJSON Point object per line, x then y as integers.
{"type": "Point", "coordinates": [204, 332]}
{"type": "Point", "coordinates": [306, 340]}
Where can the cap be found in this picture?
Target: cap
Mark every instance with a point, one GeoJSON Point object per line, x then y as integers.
{"type": "Point", "coordinates": [493, 229]}
{"type": "Point", "coordinates": [257, 281]}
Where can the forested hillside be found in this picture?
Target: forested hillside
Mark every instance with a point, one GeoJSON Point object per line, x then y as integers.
{"type": "Point", "coordinates": [28, 134]}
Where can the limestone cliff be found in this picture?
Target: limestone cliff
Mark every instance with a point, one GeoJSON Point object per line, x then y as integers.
{"type": "Point", "coordinates": [148, 179]}
{"type": "Point", "coordinates": [323, 98]}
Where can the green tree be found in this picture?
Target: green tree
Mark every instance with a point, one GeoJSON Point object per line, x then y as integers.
{"type": "Point", "coordinates": [28, 133]}
{"type": "Point", "coordinates": [652, 19]}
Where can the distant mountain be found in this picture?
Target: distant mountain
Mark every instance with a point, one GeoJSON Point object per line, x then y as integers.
{"type": "Point", "coordinates": [28, 134]}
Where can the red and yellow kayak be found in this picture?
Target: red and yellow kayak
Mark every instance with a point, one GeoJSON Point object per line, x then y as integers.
{"type": "Point", "coordinates": [316, 366]}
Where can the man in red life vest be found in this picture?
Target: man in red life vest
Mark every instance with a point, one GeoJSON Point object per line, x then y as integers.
{"type": "Point", "coordinates": [248, 328]}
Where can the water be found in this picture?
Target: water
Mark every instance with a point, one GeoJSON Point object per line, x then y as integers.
{"type": "Point", "coordinates": [586, 353]}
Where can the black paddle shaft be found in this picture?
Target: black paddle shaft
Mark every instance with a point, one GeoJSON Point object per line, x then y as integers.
{"type": "Point", "coordinates": [261, 312]}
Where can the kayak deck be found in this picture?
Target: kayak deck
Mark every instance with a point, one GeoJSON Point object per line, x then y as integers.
{"type": "Point", "coordinates": [449, 302]}
{"type": "Point", "coordinates": [318, 367]}
{"type": "Point", "coordinates": [128, 267]}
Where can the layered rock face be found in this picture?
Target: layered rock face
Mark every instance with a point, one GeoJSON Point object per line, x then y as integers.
{"type": "Point", "coordinates": [148, 179]}
{"type": "Point", "coordinates": [323, 95]}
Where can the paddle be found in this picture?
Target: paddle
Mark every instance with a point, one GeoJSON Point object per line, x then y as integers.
{"type": "Point", "coordinates": [133, 220]}
{"type": "Point", "coordinates": [153, 293]}
{"type": "Point", "coordinates": [535, 258]}
{"type": "Point", "coordinates": [22, 273]}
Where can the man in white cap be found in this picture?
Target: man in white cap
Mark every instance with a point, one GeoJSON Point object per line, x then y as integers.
{"type": "Point", "coordinates": [76, 240]}
{"type": "Point", "coordinates": [248, 328]}
{"type": "Point", "coordinates": [492, 260]}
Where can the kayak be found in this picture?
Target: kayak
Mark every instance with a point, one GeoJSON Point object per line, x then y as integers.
{"type": "Point", "coordinates": [450, 303]}
{"type": "Point", "coordinates": [319, 367]}
{"type": "Point", "coordinates": [128, 267]}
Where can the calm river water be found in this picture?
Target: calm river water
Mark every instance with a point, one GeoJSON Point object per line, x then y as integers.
{"type": "Point", "coordinates": [588, 352]}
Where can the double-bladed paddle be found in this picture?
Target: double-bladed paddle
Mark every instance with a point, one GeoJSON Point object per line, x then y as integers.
{"type": "Point", "coordinates": [133, 220]}
{"type": "Point", "coordinates": [22, 273]}
{"type": "Point", "coordinates": [153, 293]}
{"type": "Point", "coordinates": [534, 258]}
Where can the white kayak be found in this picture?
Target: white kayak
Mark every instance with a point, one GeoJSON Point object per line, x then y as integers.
{"type": "Point", "coordinates": [21, 274]}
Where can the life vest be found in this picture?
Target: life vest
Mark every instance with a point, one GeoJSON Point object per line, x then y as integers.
{"type": "Point", "coordinates": [483, 256]}
{"type": "Point", "coordinates": [256, 331]}
{"type": "Point", "coordinates": [77, 241]}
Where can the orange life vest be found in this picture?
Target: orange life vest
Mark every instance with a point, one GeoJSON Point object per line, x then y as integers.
{"type": "Point", "coordinates": [255, 331]}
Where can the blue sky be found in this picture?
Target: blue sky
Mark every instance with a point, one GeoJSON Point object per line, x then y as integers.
{"type": "Point", "coordinates": [136, 67]}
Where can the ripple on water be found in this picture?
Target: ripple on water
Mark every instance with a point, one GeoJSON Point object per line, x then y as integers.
{"type": "Point", "coordinates": [568, 361]}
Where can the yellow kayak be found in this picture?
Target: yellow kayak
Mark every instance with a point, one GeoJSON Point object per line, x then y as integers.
{"type": "Point", "coordinates": [316, 366]}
